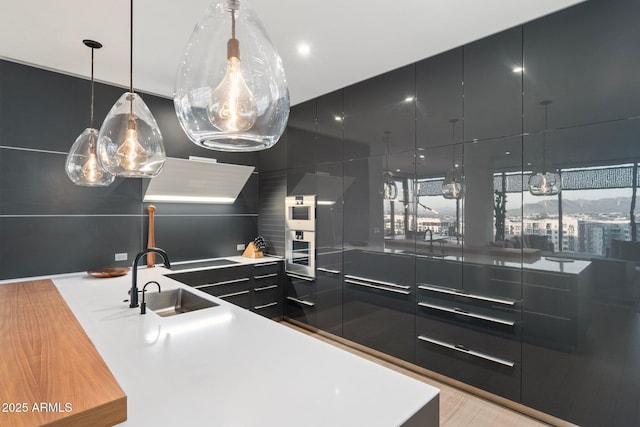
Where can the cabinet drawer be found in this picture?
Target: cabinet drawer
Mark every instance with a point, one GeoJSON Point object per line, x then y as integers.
{"type": "Point", "coordinates": [241, 299]}
{"type": "Point", "coordinates": [481, 369]}
{"type": "Point", "coordinates": [266, 295]}
{"type": "Point", "coordinates": [267, 268]}
{"type": "Point", "coordinates": [550, 331]}
{"type": "Point", "coordinates": [503, 341]}
{"type": "Point", "coordinates": [300, 309]}
{"type": "Point", "coordinates": [550, 280]}
{"type": "Point", "coordinates": [302, 288]}
{"type": "Point", "coordinates": [262, 280]}
{"type": "Point", "coordinates": [552, 301]}
{"type": "Point", "coordinates": [227, 287]}
{"type": "Point", "coordinates": [211, 276]}
{"type": "Point", "coordinates": [271, 310]}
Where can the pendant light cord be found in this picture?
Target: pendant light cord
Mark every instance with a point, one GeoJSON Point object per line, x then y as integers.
{"type": "Point", "coordinates": [131, 47]}
{"type": "Point", "coordinates": [92, 91]}
{"type": "Point", "coordinates": [233, 23]}
{"type": "Point", "coordinates": [131, 63]}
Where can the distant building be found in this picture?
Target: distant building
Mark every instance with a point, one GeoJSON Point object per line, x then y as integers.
{"type": "Point", "coordinates": [596, 235]}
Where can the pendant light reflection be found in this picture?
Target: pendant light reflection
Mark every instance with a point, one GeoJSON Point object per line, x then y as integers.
{"type": "Point", "coordinates": [389, 186]}
{"type": "Point", "coordinates": [130, 142]}
{"type": "Point", "coordinates": [82, 165]}
{"type": "Point", "coordinates": [452, 185]}
{"type": "Point", "coordinates": [544, 182]}
{"type": "Point", "coordinates": [233, 102]}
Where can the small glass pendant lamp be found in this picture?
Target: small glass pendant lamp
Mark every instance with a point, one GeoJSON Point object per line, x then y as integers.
{"type": "Point", "coordinates": [82, 165]}
{"type": "Point", "coordinates": [130, 142]}
{"type": "Point", "coordinates": [233, 102]}
{"type": "Point", "coordinates": [452, 184]}
{"type": "Point", "coordinates": [544, 182]}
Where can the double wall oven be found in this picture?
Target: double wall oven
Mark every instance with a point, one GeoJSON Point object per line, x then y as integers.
{"type": "Point", "coordinates": [300, 235]}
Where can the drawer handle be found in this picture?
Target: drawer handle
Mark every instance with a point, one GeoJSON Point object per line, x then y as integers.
{"type": "Point", "coordinates": [265, 276]}
{"type": "Point", "coordinates": [265, 288]}
{"type": "Point", "coordinates": [260, 307]}
{"type": "Point", "coordinates": [456, 292]}
{"type": "Point", "coordinates": [299, 301]}
{"type": "Point", "coordinates": [226, 282]}
{"type": "Point", "coordinates": [382, 288]}
{"type": "Point", "coordinates": [265, 264]}
{"type": "Point", "coordinates": [299, 276]}
{"type": "Point", "coordinates": [326, 270]}
{"type": "Point", "coordinates": [377, 282]}
{"type": "Point", "coordinates": [465, 350]}
{"type": "Point", "coordinates": [235, 294]}
{"type": "Point", "coordinates": [456, 310]}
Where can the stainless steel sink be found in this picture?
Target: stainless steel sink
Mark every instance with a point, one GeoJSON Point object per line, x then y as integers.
{"type": "Point", "coordinates": [175, 301]}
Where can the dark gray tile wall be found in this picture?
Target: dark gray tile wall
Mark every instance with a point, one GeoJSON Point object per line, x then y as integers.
{"type": "Point", "coordinates": [49, 226]}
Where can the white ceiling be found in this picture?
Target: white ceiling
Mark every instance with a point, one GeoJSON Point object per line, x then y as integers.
{"type": "Point", "coordinates": [351, 40]}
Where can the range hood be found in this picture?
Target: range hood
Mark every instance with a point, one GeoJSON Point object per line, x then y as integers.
{"type": "Point", "coordinates": [197, 180]}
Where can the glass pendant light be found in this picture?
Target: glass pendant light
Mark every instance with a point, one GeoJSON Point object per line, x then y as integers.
{"type": "Point", "coordinates": [389, 187]}
{"type": "Point", "coordinates": [82, 165]}
{"type": "Point", "coordinates": [130, 142]}
{"type": "Point", "coordinates": [544, 182]}
{"type": "Point", "coordinates": [452, 184]}
{"type": "Point", "coordinates": [233, 102]}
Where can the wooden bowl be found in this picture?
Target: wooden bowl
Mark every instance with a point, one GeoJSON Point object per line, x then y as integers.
{"type": "Point", "coordinates": [108, 272]}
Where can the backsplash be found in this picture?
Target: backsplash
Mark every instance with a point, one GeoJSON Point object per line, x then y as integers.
{"type": "Point", "coordinates": [48, 225]}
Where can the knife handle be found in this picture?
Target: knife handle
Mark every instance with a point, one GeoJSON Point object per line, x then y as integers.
{"type": "Point", "coordinates": [151, 240]}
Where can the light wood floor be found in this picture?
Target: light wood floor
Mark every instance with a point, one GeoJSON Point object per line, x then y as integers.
{"type": "Point", "coordinates": [458, 408]}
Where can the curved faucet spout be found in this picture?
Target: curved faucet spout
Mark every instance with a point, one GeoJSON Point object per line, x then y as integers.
{"type": "Point", "coordinates": [133, 293]}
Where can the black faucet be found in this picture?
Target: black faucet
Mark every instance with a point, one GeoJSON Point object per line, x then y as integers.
{"type": "Point", "coordinates": [143, 305]}
{"type": "Point", "coordinates": [133, 293]}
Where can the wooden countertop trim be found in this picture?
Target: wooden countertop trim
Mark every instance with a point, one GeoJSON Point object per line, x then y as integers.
{"type": "Point", "coordinates": [47, 359]}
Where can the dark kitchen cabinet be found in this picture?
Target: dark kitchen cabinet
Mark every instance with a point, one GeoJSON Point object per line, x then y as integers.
{"type": "Point", "coordinates": [378, 203]}
{"type": "Point", "coordinates": [300, 298]}
{"type": "Point", "coordinates": [266, 289]}
{"type": "Point", "coordinates": [584, 61]}
{"type": "Point", "coordinates": [301, 181]}
{"type": "Point", "coordinates": [301, 135]}
{"type": "Point", "coordinates": [274, 158]}
{"type": "Point", "coordinates": [493, 86]}
{"type": "Point", "coordinates": [329, 247]}
{"type": "Point", "coordinates": [378, 302]}
{"type": "Point", "coordinates": [379, 115]}
{"type": "Point", "coordinates": [329, 121]}
{"type": "Point", "coordinates": [231, 284]}
{"type": "Point", "coordinates": [439, 100]}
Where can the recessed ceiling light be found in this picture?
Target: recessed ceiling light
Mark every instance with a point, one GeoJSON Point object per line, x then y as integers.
{"type": "Point", "coordinates": [397, 170]}
{"type": "Point", "coordinates": [507, 152]}
{"type": "Point", "coordinates": [304, 49]}
{"type": "Point", "coordinates": [337, 118]}
{"type": "Point", "coordinates": [422, 156]}
{"type": "Point", "coordinates": [518, 69]}
{"type": "Point", "coordinates": [409, 99]}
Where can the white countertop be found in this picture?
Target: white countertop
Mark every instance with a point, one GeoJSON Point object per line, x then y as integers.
{"type": "Point", "coordinates": [226, 366]}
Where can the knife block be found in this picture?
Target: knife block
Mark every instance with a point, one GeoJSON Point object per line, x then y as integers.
{"type": "Point", "coordinates": [252, 252]}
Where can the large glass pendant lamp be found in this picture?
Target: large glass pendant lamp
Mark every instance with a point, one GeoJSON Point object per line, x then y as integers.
{"type": "Point", "coordinates": [544, 182]}
{"type": "Point", "coordinates": [452, 184]}
{"type": "Point", "coordinates": [130, 142]}
{"type": "Point", "coordinates": [82, 165]}
{"type": "Point", "coordinates": [231, 91]}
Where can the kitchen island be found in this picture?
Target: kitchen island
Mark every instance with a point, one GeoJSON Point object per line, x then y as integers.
{"type": "Point", "coordinates": [226, 366]}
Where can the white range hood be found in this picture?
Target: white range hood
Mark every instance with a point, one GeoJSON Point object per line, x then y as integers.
{"type": "Point", "coordinates": [197, 180]}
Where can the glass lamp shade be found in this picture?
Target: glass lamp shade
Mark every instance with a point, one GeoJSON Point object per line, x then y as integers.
{"type": "Point", "coordinates": [452, 189]}
{"type": "Point", "coordinates": [452, 185]}
{"type": "Point", "coordinates": [130, 142]}
{"type": "Point", "coordinates": [389, 187]}
{"type": "Point", "coordinates": [545, 184]}
{"type": "Point", "coordinates": [82, 165]}
{"type": "Point", "coordinates": [231, 93]}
